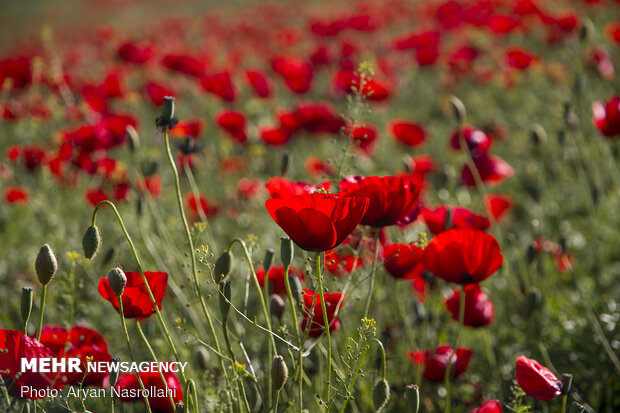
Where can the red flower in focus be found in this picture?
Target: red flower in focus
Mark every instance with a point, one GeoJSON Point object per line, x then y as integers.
{"type": "Point", "coordinates": [80, 342]}
{"type": "Point", "coordinates": [408, 133]}
{"type": "Point", "coordinates": [436, 361]}
{"type": "Point", "coordinates": [403, 261]}
{"type": "Point", "coordinates": [259, 82]}
{"type": "Point", "coordinates": [16, 195]}
{"type": "Point", "coordinates": [317, 222]}
{"type": "Point", "coordinates": [136, 301]}
{"type": "Point", "coordinates": [519, 58]}
{"type": "Point", "coordinates": [492, 170]}
{"type": "Point", "coordinates": [463, 256]}
{"type": "Point", "coordinates": [536, 380]}
{"type": "Point", "coordinates": [312, 307]}
{"type": "Point", "coordinates": [275, 277]}
{"type": "Point", "coordinates": [479, 310]}
{"type": "Point", "coordinates": [209, 209]}
{"type": "Point", "coordinates": [492, 406]}
{"type": "Point", "coordinates": [477, 141]}
{"type": "Point", "coordinates": [393, 200]}
{"type": "Point", "coordinates": [444, 218]}
{"type": "Point", "coordinates": [607, 116]}
{"type": "Point", "coordinates": [285, 188]}
{"type": "Point", "coordinates": [233, 123]}
{"type": "Point", "coordinates": [158, 404]}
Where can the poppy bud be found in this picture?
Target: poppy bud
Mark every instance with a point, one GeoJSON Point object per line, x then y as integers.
{"type": "Point", "coordinates": [587, 30]}
{"type": "Point", "coordinates": [223, 266]}
{"type": "Point", "coordinates": [567, 380]}
{"type": "Point", "coordinates": [538, 134]}
{"type": "Point", "coordinates": [114, 371]}
{"type": "Point", "coordinates": [133, 139]}
{"type": "Point", "coordinates": [225, 295]}
{"type": "Point", "coordinates": [286, 251]}
{"type": "Point", "coordinates": [276, 305]}
{"type": "Point", "coordinates": [201, 355]}
{"type": "Point", "coordinates": [286, 159]}
{"type": "Point", "coordinates": [91, 242]}
{"type": "Point", "coordinates": [381, 395]}
{"type": "Point", "coordinates": [412, 394]}
{"type": "Point", "coordinates": [268, 260]}
{"type": "Point", "coordinates": [26, 304]}
{"type": "Point", "coordinates": [296, 287]}
{"type": "Point", "coordinates": [279, 372]}
{"type": "Point", "coordinates": [46, 265]}
{"type": "Point", "coordinates": [167, 109]}
{"type": "Point", "coordinates": [458, 109]}
{"type": "Point", "coordinates": [534, 300]}
{"type": "Point", "coordinates": [118, 280]}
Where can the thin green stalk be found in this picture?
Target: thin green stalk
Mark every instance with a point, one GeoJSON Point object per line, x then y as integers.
{"type": "Point", "coordinates": [300, 367]}
{"type": "Point", "coordinates": [275, 409]}
{"type": "Point", "coordinates": [319, 277]}
{"type": "Point", "coordinates": [240, 386]}
{"type": "Point", "coordinates": [43, 296]}
{"type": "Point", "coordinates": [126, 335]}
{"type": "Point", "coordinates": [373, 271]}
{"type": "Point", "coordinates": [357, 369]}
{"type": "Point", "coordinates": [456, 343]}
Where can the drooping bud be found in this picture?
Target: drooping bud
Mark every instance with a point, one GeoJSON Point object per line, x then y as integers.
{"type": "Point", "coordinates": [118, 280]}
{"type": "Point", "coordinates": [223, 266]}
{"type": "Point", "coordinates": [458, 109]}
{"type": "Point", "coordinates": [286, 251]}
{"type": "Point", "coordinates": [91, 242]}
{"type": "Point", "coordinates": [276, 306]}
{"type": "Point", "coordinates": [268, 260]}
{"type": "Point", "coordinates": [114, 371]}
{"type": "Point", "coordinates": [286, 160]}
{"type": "Point", "coordinates": [279, 372]}
{"type": "Point", "coordinates": [538, 134]}
{"type": "Point", "coordinates": [412, 394]}
{"type": "Point", "coordinates": [46, 265]}
{"type": "Point", "coordinates": [201, 355]}
{"type": "Point", "coordinates": [587, 30]}
{"type": "Point", "coordinates": [26, 304]}
{"type": "Point", "coordinates": [381, 395]}
{"type": "Point", "coordinates": [133, 139]}
{"type": "Point", "coordinates": [225, 295]}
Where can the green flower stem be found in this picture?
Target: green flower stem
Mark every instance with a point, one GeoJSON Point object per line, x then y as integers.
{"type": "Point", "coordinates": [456, 343]}
{"type": "Point", "coordinates": [195, 192]}
{"type": "Point", "coordinates": [357, 370]}
{"type": "Point", "coordinates": [300, 365]}
{"type": "Point", "coordinates": [231, 354]}
{"type": "Point", "coordinates": [146, 284]}
{"type": "Point", "coordinates": [373, 271]}
{"type": "Point", "coordinates": [319, 278]}
{"type": "Point", "coordinates": [126, 335]}
{"type": "Point", "coordinates": [43, 296]}
{"type": "Point", "coordinates": [192, 395]}
{"type": "Point", "coordinates": [270, 351]}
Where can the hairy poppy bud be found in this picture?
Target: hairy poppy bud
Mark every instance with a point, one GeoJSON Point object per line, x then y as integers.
{"type": "Point", "coordinates": [286, 160]}
{"type": "Point", "coordinates": [458, 109]}
{"type": "Point", "coordinates": [286, 251]}
{"type": "Point", "coordinates": [279, 372]}
{"type": "Point", "coordinates": [268, 260]}
{"type": "Point", "coordinates": [225, 294]}
{"type": "Point", "coordinates": [381, 395]}
{"type": "Point", "coordinates": [26, 304]}
{"type": "Point", "coordinates": [114, 371]}
{"type": "Point", "coordinates": [201, 355]}
{"type": "Point", "coordinates": [538, 134]}
{"type": "Point", "coordinates": [133, 139]}
{"type": "Point", "coordinates": [46, 265]}
{"type": "Point", "coordinates": [296, 288]}
{"type": "Point", "coordinates": [118, 280]}
{"type": "Point", "coordinates": [412, 393]}
{"type": "Point", "coordinates": [91, 242]}
{"type": "Point", "coordinates": [223, 266]}
{"type": "Point", "coordinates": [276, 305]}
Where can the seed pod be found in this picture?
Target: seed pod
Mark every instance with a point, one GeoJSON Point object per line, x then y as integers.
{"type": "Point", "coordinates": [26, 304]}
{"type": "Point", "coordinates": [223, 266]}
{"type": "Point", "coordinates": [296, 288]}
{"type": "Point", "coordinates": [91, 242]}
{"type": "Point", "coordinates": [279, 372]}
{"type": "Point", "coordinates": [412, 394]}
{"type": "Point", "coordinates": [276, 306]}
{"type": "Point", "coordinates": [458, 109]}
{"type": "Point", "coordinates": [225, 294]}
{"type": "Point", "coordinates": [46, 265]}
{"type": "Point", "coordinates": [201, 355]}
{"type": "Point", "coordinates": [118, 280]}
{"type": "Point", "coordinates": [381, 395]}
{"type": "Point", "coordinates": [167, 109]}
{"type": "Point", "coordinates": [114, 372]}
{"type": "Point", "coordinates": [268, 260]}
{"type": "Point", "coordinates": [286, 251]}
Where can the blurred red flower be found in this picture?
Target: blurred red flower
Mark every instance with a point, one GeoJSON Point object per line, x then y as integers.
{"type": "Point", "coordinates": [259, 83]}
{"type": "Point", "coordinates": [136, 301]}
{"type": "Point", "coordinates": [275, 277]}
{"type": "Point", "coordinates": [408, 133]}
{"type": "Point", "coordinates": [312, 307]}
{"type": "Point", "coordinates": [536, 380]}
{"type": "Point", "coordinates": [285, 188]}
{"type": "Point", "coordinates": [208, 208]}
{"type": "Point", "coordinates": [403, 261]}
{"type": "Point", "coordinates": [459, 218]}
{"type": "Point", "coordinates": [436, 361]}
{"type": "Point", "coordinates": [479, 310]}
{"type": "Point", "coordinates": [234, 123]}
{"type": "Point", "coordinates": [491, 168]}
{"type": "Point", "coordinates": [492, 406]}
{"type": "Point", "coordinates": [16, 195]}
{"type": "Point", "coordinates": [477, 141]}
{"type": "Point", "coordinates": [607, 116]}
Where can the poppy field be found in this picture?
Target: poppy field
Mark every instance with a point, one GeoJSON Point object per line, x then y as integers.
{"type": "Point", "coordinates": [361, 206]}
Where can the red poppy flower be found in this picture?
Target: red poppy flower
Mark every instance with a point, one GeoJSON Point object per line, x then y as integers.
{"type": "Point", "coordinates": [96, 195]}
{"type": "Point", "coordinates": [317, 222]}
{"type": "Point", "coordinates": [463, 256]}
{"type": "Point", "coordinates": [80, 342]}
{"type": "Point", "coordinates": [135, 53]}
{"type": "Point", "coordinates": [297, 73]}
{"type": "Point", "coordinates": [436, 361]}
{"type": "Point", "coordinates": [492, 170]}
{"type": "Point", "coordinates": [188, 128]}
{"type": "Point", "coordinates": [408, 133]}
{"type": "Point", "coordinates": [607, 116]}
{"type": "Point", "coordinates": [499, 205]}
{"type": "Point", "coordinates": [479, 310]}
{"type": "Point", "coordinates": [15, 194]}
{"type": "Point", "coordinates": [476, 140]}
{"type": "Point", "coordinates": [285, 188]}
{"type": "Point", "coordinates": [536, 380]}
{"type": "Point", "coordinates": [156, 92]}
{"type": "Point", "coordinates": [599, 59]}
{"type": "Point", "coordinates": [219, 84]}
{"type": "Point", "coordinates": [234, 123]}
{"type": "Point", "coordinates": [136, 301]}
{"type": "Point", "coordinates": [519, 58]}
{"type": "Point", "coordinates": [421, 165]}
{"type": "Point", "coordinates": [318, 168]}
{"type": "Point", "coordinates": [208, 208]}
{"type": "Point", "coordinates": [460, 218]}
{"type": "Point", "coordinates": [612, 30]}
{"type": "Point", "coordinates": [15, 346]}
{"type": "Point", "coordinates": [188, 65]}
{"type": "Point", "coordinates": [275, 136]}
{"type": "Point", "coordinates": [462, 59]}
{"type": "Point", "coordinates": [403, 261]}
{"type": "Point", "coordinates": [318, 117]}
{"type": "Point", "coordinates": [312, 305]}
{"type": "Point", "coordinates": [341, 265]}
{"type": "Point", "coordinates": [392, 199]}
{"type": "Point", "coordinates": [364, 135]}
{"type": "Point", "coordinates": [259, 83]}
{"type": "Point", "coordinates": [492, 406]}
{"type": "Point", "coordinates": [275, 277]}
{"type": "Point", "coordinates": [158, 404]}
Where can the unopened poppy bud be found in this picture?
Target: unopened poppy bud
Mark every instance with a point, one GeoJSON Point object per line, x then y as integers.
{"type": "Point", "coordinates": [458, 109]}
{"type": "Point", "coordinates": [381, 395]}
{"type": "Point", "coordinates": [114, 371]}
{"type": "Point", "coordinates": [279, 372]}
{"type": "Point", "coordinates": [118, 280]}
{"type": "Point", "coordinates": [286, 251]}
{"type": "Point", "coordinates": [167, 109]}
{"type": "Point", "coordinates": [286, 160]}
{"type": "Point", "coordinates": [296, 288]}
{"type": "Point", "coordinates": [412, 393]}
{"type": "Point", "coordinates": [201, 355]}
{"type": "Point", "coordinates": [225, 295]}
{"type": "Point", "coordinates": [567, 382]}
{"type": "Point", "coordinates": [223, 266]}
{"type": "Point", "coordinates": [587, 30]}
{"type": "Point", "coordinates": [46, 265]}
{"type": "Point", "coordinates": [26, 304]}
{"type": "Point", "coordinates": [276, 306]}
{"type": "Point", "coordinates": [407, 161]}
{"type": "Point", "coordinates": [133, 139]}
{"type": "Point", "coordinates": [268, 260]}
{"type": "Point", "coordinates": [91, 242]}
{"type": "Point", "coordinates": [538, 134]}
